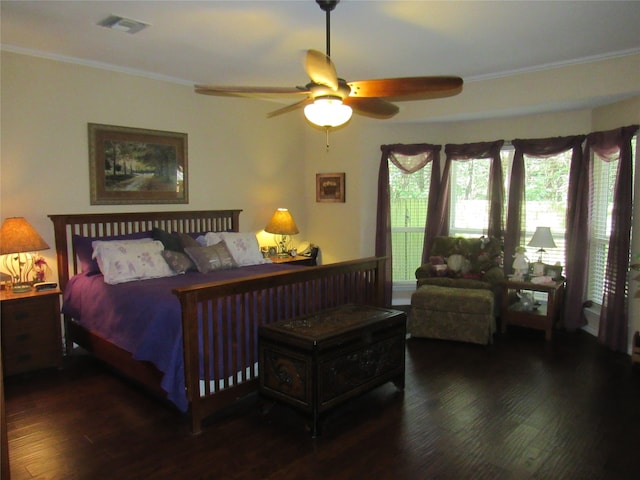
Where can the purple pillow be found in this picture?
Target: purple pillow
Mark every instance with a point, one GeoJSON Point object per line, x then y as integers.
{"type": "Point", "coordinates": [84, 250]}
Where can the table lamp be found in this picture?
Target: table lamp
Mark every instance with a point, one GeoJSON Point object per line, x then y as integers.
{"type": "Point", "coordinates": [282, 224]}
{"type": "Point", "coordinates": [542, 238]}
{"type": "Point", "coordinates": [17, 240]}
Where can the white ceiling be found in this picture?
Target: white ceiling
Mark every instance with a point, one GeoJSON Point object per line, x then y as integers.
{"type": "Point", "coordinates": [262, 42]}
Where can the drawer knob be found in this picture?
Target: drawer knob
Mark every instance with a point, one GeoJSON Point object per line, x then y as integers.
{"type": "Point", "coordinates": [25, 357]}
{"type": "Point", "coordinates": [22, 315]}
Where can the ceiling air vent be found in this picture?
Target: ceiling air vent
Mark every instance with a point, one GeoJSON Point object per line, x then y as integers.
{"type": "Point", "coordinates": [122, 24]}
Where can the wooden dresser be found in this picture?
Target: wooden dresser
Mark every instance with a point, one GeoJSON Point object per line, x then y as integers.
{"type": "Point", "coordinates": [31, 331]}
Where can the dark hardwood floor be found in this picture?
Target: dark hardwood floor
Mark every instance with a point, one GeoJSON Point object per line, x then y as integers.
{"type": "Point", "coordinates": [519, 409]}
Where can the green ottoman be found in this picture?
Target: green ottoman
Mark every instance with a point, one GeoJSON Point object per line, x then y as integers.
{"type": "Point", "coordinates": [462, 314]}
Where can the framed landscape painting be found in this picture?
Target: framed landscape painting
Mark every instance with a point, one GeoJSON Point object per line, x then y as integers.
{"type": "Point", "coordinates": [137, 166]}
{"type": "Point", "coordinates": [330, 187]}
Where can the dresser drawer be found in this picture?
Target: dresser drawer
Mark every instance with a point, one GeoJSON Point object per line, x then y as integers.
{"type": "Point", "coordinates": [20, 316]}
{"type": "Point", "coordinates": [29, 359]}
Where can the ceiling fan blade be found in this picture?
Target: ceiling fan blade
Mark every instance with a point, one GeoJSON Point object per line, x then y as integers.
{"type": "Point", "coordinates": [290, 108]}
{"type": "Point", "coordinates": [407, 88]}
{"type": "Point", "coordinates": [249, 91]}
{"type": "Point", "coordinates": [372, 107]}
{"type": "Point", "coordinates": [320, 69]}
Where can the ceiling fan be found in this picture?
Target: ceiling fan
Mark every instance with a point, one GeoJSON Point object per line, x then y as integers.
{"type": "Point", "coordinates": [329, 100]}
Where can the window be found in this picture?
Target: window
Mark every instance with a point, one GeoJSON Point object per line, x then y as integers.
{"type": "Point", "coordinates": [469, 195]}
{"type": "Point", "coordinates": [409, 196]}
{"type": "Point", "coordinates": [547, 185]}
{"type": "Point", "coordinates": [604, 179]}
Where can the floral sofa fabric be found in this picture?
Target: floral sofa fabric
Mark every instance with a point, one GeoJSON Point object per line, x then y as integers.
{"type": "Point", "coordinates": [457, 290]}
{"type": "Point", "coordinates": [463, 263]}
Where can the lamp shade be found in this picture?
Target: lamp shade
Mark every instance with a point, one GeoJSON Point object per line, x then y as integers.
{"type": "Point", "coordinates": [328, 112]}
{"type": "Point", "coordinates": [542, 238]}
{"type": "Point", "coordinates": [17, 236]}
{"type": "Point", "coordinates": [282, 223]}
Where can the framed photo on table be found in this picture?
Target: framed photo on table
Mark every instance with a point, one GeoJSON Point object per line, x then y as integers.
{"type": "Point", "coordinates": [330, 187]}
{"type": "Point", "coordinates": [137, 166]}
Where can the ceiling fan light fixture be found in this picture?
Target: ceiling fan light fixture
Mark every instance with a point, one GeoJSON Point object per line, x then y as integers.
{"type": "Point", "coordinates": [328, 111]}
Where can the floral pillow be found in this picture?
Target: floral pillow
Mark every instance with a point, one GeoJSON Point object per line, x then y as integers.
{"type": "Point", "coordinates": [84, 250]}
{"type": "Point", "coordinates": [244, 248]}
{"type": "Point", "coordinates": [123, 261]}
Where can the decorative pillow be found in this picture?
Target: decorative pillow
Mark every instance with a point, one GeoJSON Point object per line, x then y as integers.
{"type": "Point", "coordinates": [244, 248]}
{"type": "Point", "coordinates": [123, 261]}
{"type": "Point", "coordinates": [84, 250]}
{"type": "Point", "coordinates": [210, 238]}
{"type": "Point", "coordinates": [179, 262]}
{"type": "Point", "coordinates": [186, 240]}
{"type": "Point", "coordinates": [171, 241]}
{"type": "Point", "coordinates": [213, 257]}
{"type": "Point", "coordinates": [454, 262]}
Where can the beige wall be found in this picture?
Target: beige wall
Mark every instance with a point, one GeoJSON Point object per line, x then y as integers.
{"type": "Point", "coordinates": [239, 159]}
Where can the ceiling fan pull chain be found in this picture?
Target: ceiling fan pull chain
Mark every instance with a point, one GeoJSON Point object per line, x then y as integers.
{"type": "Point", "coordinates": [327, 141]}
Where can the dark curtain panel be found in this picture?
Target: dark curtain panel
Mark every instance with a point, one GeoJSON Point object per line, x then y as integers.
{"type": "Point", "coordinates": [495, 192]}
{"type": "Point", "coordinates": [576, 238]}
{"type": "Point", "coordinates": [543, 147]}
{"type": "Point", "coordinates": [409, 159]}
{"type": "Point", "coordinates": [610, 146]}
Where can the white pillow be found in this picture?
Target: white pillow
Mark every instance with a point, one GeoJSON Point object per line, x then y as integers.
{"type": "Point", "coordinates": [208, 239]}
{"type": "Point", "coordinates": [243, 247]}
{"type": "Point", "coordinates": [126, 260]}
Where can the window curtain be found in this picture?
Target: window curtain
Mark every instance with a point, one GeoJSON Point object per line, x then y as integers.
{"type": "Point", "coordinates": [576, 239]}
{"type": "Point", "coordinates": [409, 159]}
{"type": "Point", "coordinates": [466, 152]}
{"type": "Point", "coordinates": [542, 148]}
{"type": "Point", "coordinates": [610, 146]}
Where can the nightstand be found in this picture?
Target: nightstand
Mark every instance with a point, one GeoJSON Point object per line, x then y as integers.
{"type": "Point", "coordinates": [31, 331]}
{"type": "Point", "coordinates": [299, 260]}
{"type": "Point", "coordinates": [543, 316]}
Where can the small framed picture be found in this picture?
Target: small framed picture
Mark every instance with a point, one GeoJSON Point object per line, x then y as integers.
{"type": "Point", "coordinates": [330, 187]}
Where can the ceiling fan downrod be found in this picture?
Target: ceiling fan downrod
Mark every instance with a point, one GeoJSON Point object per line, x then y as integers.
{"type": "Point", "coordinates": [327, 6]}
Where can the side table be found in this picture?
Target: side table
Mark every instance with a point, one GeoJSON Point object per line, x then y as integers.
{"type": "Point", "coordinates": [298, 260]}
{"type": "Point", "coordinates": [31, 330]}
{"type": "Point", "coordinates": [543, 316]}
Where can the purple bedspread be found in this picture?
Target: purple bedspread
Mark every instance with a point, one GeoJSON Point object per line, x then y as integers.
{"type": "Point", "coordinates": [143, 317]}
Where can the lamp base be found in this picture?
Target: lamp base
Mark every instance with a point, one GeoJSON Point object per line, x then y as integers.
{"type": "Point", "coordinates": [21, 288]}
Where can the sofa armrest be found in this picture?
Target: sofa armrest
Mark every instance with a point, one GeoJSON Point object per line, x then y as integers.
{"type": "Point", "coordinates": [423, 271]}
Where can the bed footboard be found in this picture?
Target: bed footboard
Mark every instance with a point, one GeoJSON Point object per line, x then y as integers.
{"type": "Point", "coordinates": [220, 323]}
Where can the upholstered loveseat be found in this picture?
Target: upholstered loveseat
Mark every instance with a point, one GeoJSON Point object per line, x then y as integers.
{"type": "Point", "coordinates": [456, 296]}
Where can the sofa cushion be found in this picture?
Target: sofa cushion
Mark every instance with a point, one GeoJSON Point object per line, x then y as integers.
{"type": "Point", "coordinates": [458, 300]}
{"type": "Point", "coordinates": [454, 282]}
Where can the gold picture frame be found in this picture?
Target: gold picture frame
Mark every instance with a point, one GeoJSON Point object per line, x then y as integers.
{"type": "Point", "coordinates": [137, 166]}
{"type": "Point", "coordinates": [330, 187]}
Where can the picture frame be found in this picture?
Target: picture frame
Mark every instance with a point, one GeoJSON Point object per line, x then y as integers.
{"type": "Point", "coordinates": [137, 166]}
{"type": "Point", "coordinates": [330, 187]}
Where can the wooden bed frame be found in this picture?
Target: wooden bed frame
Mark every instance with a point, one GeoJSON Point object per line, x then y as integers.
{"type": "Point", "coordinates": [207, 308]}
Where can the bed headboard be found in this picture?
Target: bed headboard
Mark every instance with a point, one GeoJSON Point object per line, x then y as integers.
{"type": "Point", "coordinates": [109, 224]}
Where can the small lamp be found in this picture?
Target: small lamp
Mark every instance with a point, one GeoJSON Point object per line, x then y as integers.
{"type": "Point", "coordinates": [542, 238]}
{"type": "Point", "coordinates": [17, 240]}
{"type": "Point", "coordinates": [282, 224]}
